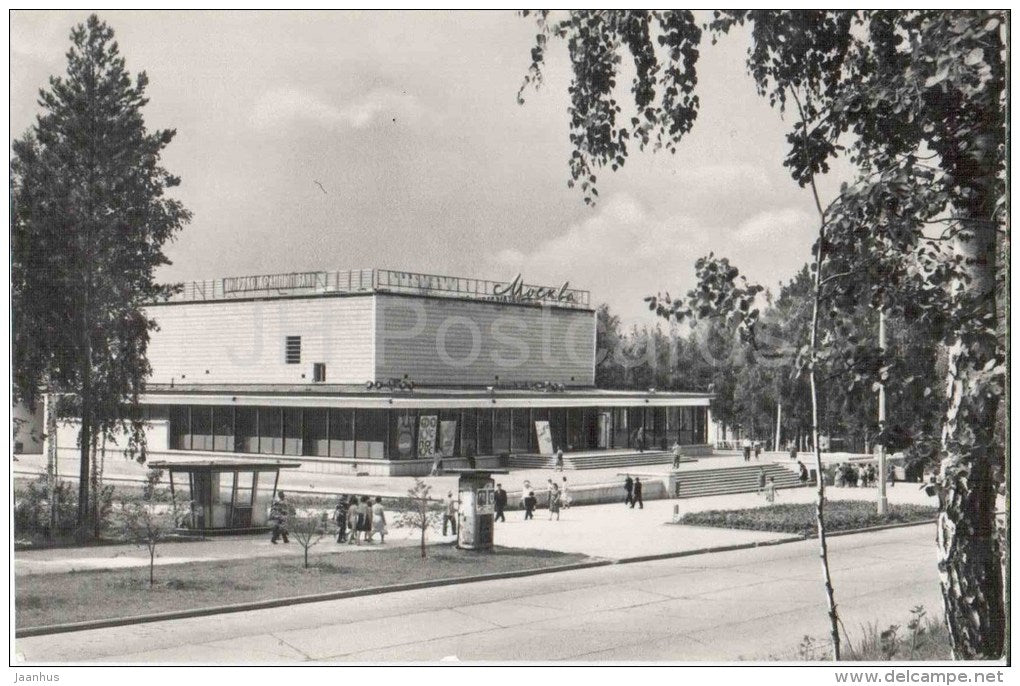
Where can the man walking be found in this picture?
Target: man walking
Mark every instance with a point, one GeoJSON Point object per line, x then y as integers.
{"type": "Point", "coordinates": [628, 487]}
{"type": "Point", "coordinates": [747, 449]}
{"type": "Point", "coordinates": [637, 495]}
{"type": "Point", "coordinates": [340, 519]}
{"type": "Point", "coordinates": [450, 514]}
{"type": "Point", "coordinates": [559, 459]}
{"type": "Point", "coordinates": [278, 512]}
{"type": "Point", "coordinates": [676, 455]}
{"type": "Point", "coordinates": [761, 480]}
{"type": "Point", "coordinates": [500, 503]}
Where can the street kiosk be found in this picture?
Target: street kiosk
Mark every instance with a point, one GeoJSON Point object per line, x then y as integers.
{"type": "Point", "coordinates": [477, 508]}
{"type": "Point", "coordinates": [223, 497]}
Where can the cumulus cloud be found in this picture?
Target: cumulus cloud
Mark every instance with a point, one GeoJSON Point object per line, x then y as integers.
{"type": "Point", "coordinates": [284, 106]}
{"type": "Point", "coordinates": [626, 251]}
{"type": "Point", "coordinates": [778, 225]}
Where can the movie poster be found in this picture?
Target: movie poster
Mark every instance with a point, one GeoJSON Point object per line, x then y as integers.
{"type": "Point", "coordinates": [545, 445]}
{"type": "Point", "coordinates": [427, 435]}
{"type": "Point", "coordinates": [448, 437]}
{"type": "Point", "coordinates": [405, 436]}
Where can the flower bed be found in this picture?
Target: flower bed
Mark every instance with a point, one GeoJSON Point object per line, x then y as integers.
{"type": "Point", "coordinates": [799, 518]}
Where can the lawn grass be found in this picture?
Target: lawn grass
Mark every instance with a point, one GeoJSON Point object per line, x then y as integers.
{"type": "Point", "coordinates": [799, 518]}
{"type": "Point", "coordinates": [42, 599]}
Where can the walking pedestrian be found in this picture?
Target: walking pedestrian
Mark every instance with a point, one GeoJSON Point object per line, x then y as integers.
{"type": "Point", "coordinates": [378, 520]}
{"type": "Point", "coordinates": [450, 514]}
{"type": "Point", "coordinates": [524, 492]}
{"type": "Point", "coordinates": [559, 459]}
{"type": "Point", "coordinates": [564, 496]}
{"type": "Point", "coordinates": [757, 450]}
{"type": "Point", "coordinates": [676, 455]}
{"type": "Point", "coordinates": [641, 439]}
{"type": "Point", "coordinates": [761, 480]}
{"type": "Point", "coordinates": [746, 444]}
{"type": "Point", "coordinates": [554, 503]}
{"type": "Point", "coordinates": [529, 505]}
{"type": "Point", "coordinates": [499, 503]}
{"type": "Point", "coordinates": [340, 519]}
{"type": "Point", "coordinates": [770, 491]}
{"type": "Point", "coordinates": [637, 494]}
{"type": "Point", "coordinates": [352, 520]}
{"type": "Point", "coordinates": [803, 473]}
{"type": "Point", "coordinates": [628, 487]}
{"type": "Point", "coordinates": [892, 476]}
{"type": "Point", "coordinates": [364, 520]}
{"type": "Point", "coordinates": [278, 513]}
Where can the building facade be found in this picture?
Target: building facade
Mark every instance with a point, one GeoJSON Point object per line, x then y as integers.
{"type": "Point", "coordinates": [385, 372]}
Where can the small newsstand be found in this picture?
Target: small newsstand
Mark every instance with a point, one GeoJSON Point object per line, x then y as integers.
{"type": "Point", "coordinates": [221, 496]}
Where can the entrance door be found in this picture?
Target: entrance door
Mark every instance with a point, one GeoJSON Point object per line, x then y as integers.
{"type": "Point", "coordinates": [605, 429]}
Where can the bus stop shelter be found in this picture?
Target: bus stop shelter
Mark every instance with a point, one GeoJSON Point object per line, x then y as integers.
{"type": "Point", "coordinates": [224, 497]}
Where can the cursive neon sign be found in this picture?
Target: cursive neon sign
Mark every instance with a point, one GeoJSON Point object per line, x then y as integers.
{"type": "Point", "coordinates": [517, 291]}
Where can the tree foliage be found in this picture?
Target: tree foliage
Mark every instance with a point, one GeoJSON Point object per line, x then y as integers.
{"type": "Point", "coordinates": [90, 217]}
{"type": "Point", "coordinates": [916, 101]}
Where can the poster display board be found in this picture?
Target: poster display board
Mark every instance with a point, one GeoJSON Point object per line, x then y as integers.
{"type": "Point", "coordinates": [405, 436]}
{"type": "Point", "coordinates": [427, 430]}
{"type": "Point", "coordinates": [448, 437]}
{"type": "Point", "coordinates": [545, 444]}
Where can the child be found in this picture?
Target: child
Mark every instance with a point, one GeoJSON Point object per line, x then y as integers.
{"type": "Point", "coordinates": [770, 491]}
{"type": "Point", "coordinates": [529, 505]}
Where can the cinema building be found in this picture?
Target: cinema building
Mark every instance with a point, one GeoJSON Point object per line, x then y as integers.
{"type": "Point", "coordinates": [384, 372]}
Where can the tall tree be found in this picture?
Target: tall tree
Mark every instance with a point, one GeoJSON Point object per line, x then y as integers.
{"type": "Point", "coordinates": [90, 218]}
{"type": "Point", "coordinates": [917, 100]}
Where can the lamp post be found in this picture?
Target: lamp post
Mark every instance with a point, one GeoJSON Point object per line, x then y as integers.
{"type": "Point", "coordinates": [883, 502]}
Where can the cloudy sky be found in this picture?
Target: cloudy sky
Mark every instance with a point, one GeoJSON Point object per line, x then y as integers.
{"type": "Point", "coordinates": [410, 123]}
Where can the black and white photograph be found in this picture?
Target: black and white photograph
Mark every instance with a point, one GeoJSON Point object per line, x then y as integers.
{"type": "Point", "coordinates": [529, 338]}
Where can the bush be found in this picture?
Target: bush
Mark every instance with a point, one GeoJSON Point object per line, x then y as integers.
{"type": "Point", "coordinates": [923, 638]}
{"type": "Point", "coordinates": [32, 510]}
{"type": "Point", "coordinates": [799, 518]}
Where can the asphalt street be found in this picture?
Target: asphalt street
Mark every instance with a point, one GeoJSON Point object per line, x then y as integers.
{"type": "Point", "coordinates": [748, 604]}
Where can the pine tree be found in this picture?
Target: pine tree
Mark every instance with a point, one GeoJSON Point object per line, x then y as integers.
{"type": "Point", "coordinates": [89, 221]}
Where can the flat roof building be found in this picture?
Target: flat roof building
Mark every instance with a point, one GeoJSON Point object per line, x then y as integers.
{"type": "Point", "coordinates": [384, 372]}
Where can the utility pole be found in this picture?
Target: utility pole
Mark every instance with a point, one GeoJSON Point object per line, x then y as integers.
{"type": "Point", "coordinates": [883, 502]}
{"type": "Point", "coordinates": [779, 419]}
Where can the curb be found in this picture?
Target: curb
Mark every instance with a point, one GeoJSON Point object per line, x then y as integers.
{"type": "Point", "coordinates": [50, 629]}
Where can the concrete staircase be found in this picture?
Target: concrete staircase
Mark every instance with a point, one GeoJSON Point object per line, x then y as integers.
{"type": "Point", "coordinates": [698, 483]}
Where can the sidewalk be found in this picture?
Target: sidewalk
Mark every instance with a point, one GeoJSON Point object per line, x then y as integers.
{"type": "Point", "coordinates": [612, 531]}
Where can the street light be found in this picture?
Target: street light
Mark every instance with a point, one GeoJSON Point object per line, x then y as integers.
{"type": "Point", "coordinates": [883, 502]}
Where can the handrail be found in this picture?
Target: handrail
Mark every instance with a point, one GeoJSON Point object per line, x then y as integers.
{"type": "Point", "coordinates": [378, 280]}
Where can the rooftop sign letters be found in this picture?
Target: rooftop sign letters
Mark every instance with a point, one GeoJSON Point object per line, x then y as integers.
{"type": "Point", "coordinates": [518, 291]}
{"type": "Point", "coordinates": [272, 282]}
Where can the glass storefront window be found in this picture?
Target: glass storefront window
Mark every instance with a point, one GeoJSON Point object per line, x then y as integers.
{"type": "Point", "coordinates": [341, 433]}
{"type": "Point", "coordinates": [270, 430]}
{"type": "Point", "coordinates": [520, 434]}
{"type": "Point", "coordinates": [246, 430]}
{"type": "Point", "coordinates": [484, 418]}
{"type": "Point", "coordinates": [501, 431]}
{"type": "Point", "coordinates": [201, 428]}
{"type": "Point", "coordinates": [469, 432]}
{"type": "Point", "coordinates": [180, 431]}
{"type": "Point", "coordinates": [314, 441]}
{"type": "Point", "coordinates": [371, 428]}
{"type": "Point", "coordinates": [292, 431]}
{"type": "Point", "coordinates": [574, 420]}
{"type": "Point", "coordinates": [223, 428]}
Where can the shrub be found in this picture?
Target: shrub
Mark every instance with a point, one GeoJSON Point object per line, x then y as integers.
{"type": "Point", "coordinates": [32, 509]}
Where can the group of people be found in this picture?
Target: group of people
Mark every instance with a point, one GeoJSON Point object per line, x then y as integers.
{"type": "Point", "coordinates": [557, 499]}
{"type": "Point", "coordinates": [860, 476]}
{"type": "Point", "coordinates": [633, 492]}
{"type": "Point", "coordinates": [358, 519]}
{"type": "Point", "coordinates": [748, 446]}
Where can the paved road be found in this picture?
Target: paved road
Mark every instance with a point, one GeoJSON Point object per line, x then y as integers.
{"type": "Point", "coordinates": [726, 606]}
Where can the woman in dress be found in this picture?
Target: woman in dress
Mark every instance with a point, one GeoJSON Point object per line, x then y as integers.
{"type": "Point", "coordinates": [352, 520]}
{"type": "Point", "coordinates": [554, 502]}
{"type": "Point", "coordinates": [364, 519]}
{"type": "Point", "coordinates": [378, 521]}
